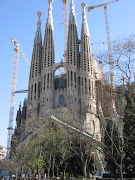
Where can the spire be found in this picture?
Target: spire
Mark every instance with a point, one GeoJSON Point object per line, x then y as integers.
{"type": "Point", "coordinates": [84, 12]}
{"type": "Point", "coordinates": [50, 7]}
{"type": "Point", "coordinates": [37, 50]}
{"type": "Point", "coordinates": [49, 23]}
{"type": "Point", "coordinates": [72, 18]}
{"type": "Point", "coordinates": [72, 5]}
{"type": "Point", "coordinates": [85, 28]}
{"type": "Point", "coordinates": [38, 32]}
{"type": "Point", "coordinates": [39, 14]}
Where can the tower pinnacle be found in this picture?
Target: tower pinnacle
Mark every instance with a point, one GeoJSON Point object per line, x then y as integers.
{"type": "Point", "coordinates": [85, 29]}
{"type": "Point", "coordinates": [83, 5]}
{"type": "Point", "coordinates": [39, 14]}
{"type": "Point", "coordinates": [72, 4]}
{"type": "Point", "coordinates": [49, 22]}
{"type": "Point", "coordinates": [72, 17]}
{"type": "Point", "coordinates": [50, 7]}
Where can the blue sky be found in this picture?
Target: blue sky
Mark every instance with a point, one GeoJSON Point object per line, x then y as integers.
{"type": "Point", "coordinates": [18, 19]}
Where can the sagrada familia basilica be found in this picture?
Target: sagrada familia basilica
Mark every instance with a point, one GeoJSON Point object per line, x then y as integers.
{"type": "Point", "coordinates": [76, 96]}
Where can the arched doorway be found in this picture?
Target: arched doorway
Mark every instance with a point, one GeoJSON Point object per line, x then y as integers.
{"type": "Point", "coordinates": [60, 86]}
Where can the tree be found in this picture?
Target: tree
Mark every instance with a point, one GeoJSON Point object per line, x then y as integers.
{"type": "Point", "coordinates": [54, 146]}
{"type": "Point", "coordinates": [10, 165]}
{"type": "Point", "coordinates": [129, 133]}
{"type": "Point", "coordinates": [113, 149]}
{"type": "Point", "coordinates": [81, 148]}
{"type": "Point", "coordinates": [115, 145]}
{"type": "Point", "coordinates": [19, 156]}
{"type": "Point", "coordinates": [33, 155]}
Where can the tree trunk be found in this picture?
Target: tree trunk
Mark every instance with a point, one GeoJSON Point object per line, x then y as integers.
{"type": "Point", "coordinates": [11, 175]}
{"type": "Point", "coordinates": [21, 172]}
{"type": "Point", "coordinates": [85, 168]}
{"type": "Point", "coordinates": [64, 173]}
{"type": "Point", "coordinates": [38, 171]}
{"type": "Point", "coordinates": [84, 171]}
{"type": "Point", "coordinates": [57, 171]}
{"type": "Point", "coordinates": [48, 172]}
{"type": "Point", "coordinates": [32, 172]}
{"type": "Point", "coordinates": [16, 175]}
{"type": "Point", "coordinates": [53, 170]}
{"type": "Point", "coordinates": [121, 173]}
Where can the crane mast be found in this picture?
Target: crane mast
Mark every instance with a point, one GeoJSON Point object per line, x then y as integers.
{"type": "Point", "coordinates": [11, 114]}
{"type": "Point", "coordinates": [109, 45]}
{"type": "Point", "coordinates": [13, 91]}
{"type": "Point", "coordinates": [109, 52]}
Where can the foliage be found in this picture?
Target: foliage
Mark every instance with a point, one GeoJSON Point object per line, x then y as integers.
{"type": "Point", "coordinates": [113, 147]}
{"type": "Point", "coordinates": [129, 132]}
{"type": "Point", "coordinates": [33, 156]}
{"type": "Point", "coordinates": [116, 148]}
{"type": "Point", "coordinates": [81, 148]}
{"type": "Point", "coordinates": [123, 53]}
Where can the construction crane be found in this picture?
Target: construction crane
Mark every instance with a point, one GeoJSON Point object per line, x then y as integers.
{"type": "Point", "coordinates": [13, 91]}
{"type": "Point", "coordinates": [101, 42]}
{"type": "Point", "coordinates": [108, 42]}
{"type": "Point", "coordinates": [65, 13]}
{"type": "Point", "coordinates": [100, 5]}
{"type": "Point", "coordinates": [22, 91]}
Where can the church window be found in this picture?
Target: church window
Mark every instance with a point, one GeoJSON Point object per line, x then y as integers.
{"type": "Point", "coordinates": [75, 77]}
{"type": "Point", "coordinates": [85, 86]}
{"type": "Point", "coordinates": [31, 91]}
{"type": "Point", "coordinates": [48, 80]}
{"type": "Point", "coordinates": [68, 78]}
{"type": "Point", "coordinates": [39, 90]}
{"type": "Point", "coordinates": [35, 91]}
{"type": "Point", "coordinates": [71, 76]}
{"type": "Point", "coordinates": [51, 81]}
{"type": "Point", "coordinates": [44, 81]}
{"type": "Point", "coordinates": [61, 100]}
{"type": "Point", "coordinates": [79, 83]}
{"type": "Point", "coordinates": [41, 83]}
{"type": "Point", "coordinates": [79, 80]}
{"type": "Point", "coordinates": [38, 109]}
{"type": "Point", "coordinates": [82, 85]}
{"type": "Point", "coordinates": [89, 86]}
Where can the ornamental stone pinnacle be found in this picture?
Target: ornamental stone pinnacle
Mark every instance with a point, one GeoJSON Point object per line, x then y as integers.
{"type": "Point", "coordinates": [72, 4]}
{"type": "Point", "coordinates": [50, 7]}
{"type": "Point", "coordinates": [72, 17]}
{"type": "Point", "coordinates": [85, 29]}
{"type": "Point", "coordinates": [83, 5]}
{"type": "Point", "coordinates": [50, 1]}
{"type": "Point", "coordinates": [39, 14]}
{"type": "Point", "coordinates": [49, 23]}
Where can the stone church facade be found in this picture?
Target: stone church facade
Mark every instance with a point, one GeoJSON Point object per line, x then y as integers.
{"type": "Point", "coordinates": [74, 91]}
{"type": "Point", "coordinates": [76, 95]}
